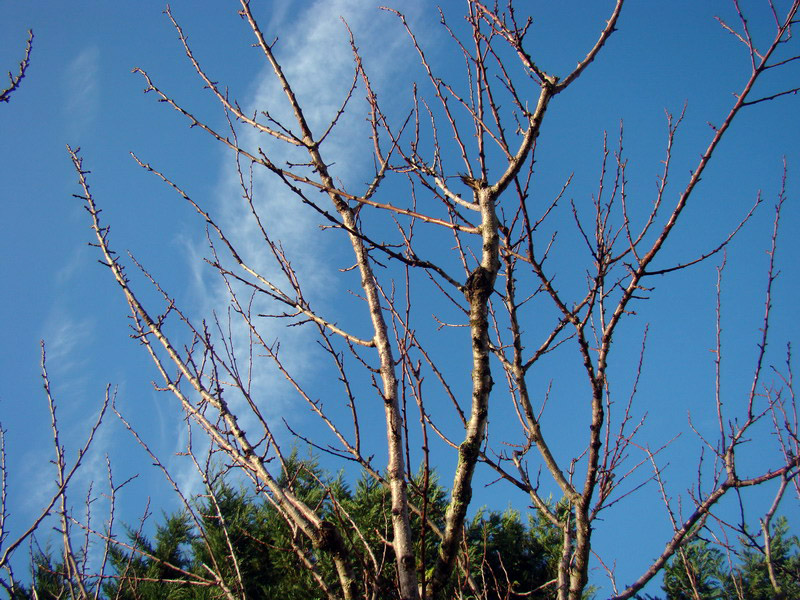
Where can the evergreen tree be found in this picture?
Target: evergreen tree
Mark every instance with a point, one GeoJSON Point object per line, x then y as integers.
{"type": "Point", "coordinates": [696, 571]}
{"type": "Point", "coordinates": [751, 580]}
{"type": "Point", "coordinates": [239, 542]}
{"type": "Point", "coordinates": [149, 570]}
{"type": "Point", "coordinates": [248, 544]}
{"type": "Point", "coordinates": [512, 559]}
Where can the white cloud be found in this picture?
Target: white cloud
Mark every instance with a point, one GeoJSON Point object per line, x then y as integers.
{"type": "Point", "coordinates": [81, 89]}
{"type": "Point", "coordinates": [64, 335]}
{"type": "Point", "coordinates": [316, 57]}
{"type": "Point", "coordinates": [72, 264]}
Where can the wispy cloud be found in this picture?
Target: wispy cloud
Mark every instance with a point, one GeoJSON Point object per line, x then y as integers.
{"type": "Point", "coordinates": [65, 339]}
{"type": "Point", "coordinates": [317, 59]}
{"type": "Point", "coordinates": [64, 335]}
{"type": "Point", "coordinates": [316, 56]}
{"type": "Point", "coordinates": [71, 265]}
{"type": "Point", "coordinates": [81, 90]}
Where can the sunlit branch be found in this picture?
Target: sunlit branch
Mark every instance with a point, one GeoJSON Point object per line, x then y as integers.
{"type": "Point", "coordinates": [15, 80]}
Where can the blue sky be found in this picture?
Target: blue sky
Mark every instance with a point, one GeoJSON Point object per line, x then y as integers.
{"type": "Point", "coordinates": [80, 91]}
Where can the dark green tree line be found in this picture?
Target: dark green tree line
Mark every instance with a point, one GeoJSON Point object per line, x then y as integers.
{"type": "Point", "coordinates": [240, 536]}
{"type": "Point", "coordinates": [704, 571]}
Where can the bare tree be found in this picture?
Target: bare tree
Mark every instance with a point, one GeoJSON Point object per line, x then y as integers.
{"type": "Point", "coordinates": [466, 156]}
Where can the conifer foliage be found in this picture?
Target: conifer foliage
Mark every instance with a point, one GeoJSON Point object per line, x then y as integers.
{"type": "Point", "coordinates": [231, 532]}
